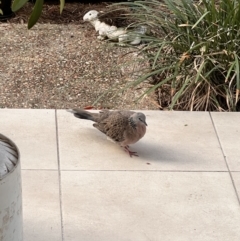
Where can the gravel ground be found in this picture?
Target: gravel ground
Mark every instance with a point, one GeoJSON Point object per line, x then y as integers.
{"type": "Point", "coordinates": [65, 66]}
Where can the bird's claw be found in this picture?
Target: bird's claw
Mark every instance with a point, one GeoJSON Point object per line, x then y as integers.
{"type": "Point", "coordinates": [131, 153]}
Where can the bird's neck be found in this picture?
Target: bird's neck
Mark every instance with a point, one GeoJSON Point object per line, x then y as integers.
{"type": "Point", "coordinates": [132, 123]}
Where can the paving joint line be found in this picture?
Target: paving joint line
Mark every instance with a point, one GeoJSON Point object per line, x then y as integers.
{"type": "Point", "coordinates": [225, 158]}
{"type": "Point", "coordinates": [59, 176]}
{"type": "Point", "coordinates": [180, 171]}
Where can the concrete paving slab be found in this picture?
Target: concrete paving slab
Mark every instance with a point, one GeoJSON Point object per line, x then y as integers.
{"type": "Point", "coordinates": [139, 205]}
{"type": "Point", "coordinates": [174, 141]}
{"type": "Point", "coordinates": [41, 205]}
{"type": "Point", "coordinates": [34, 132]}
{"type": "Point", "coordinates": [228, 131]}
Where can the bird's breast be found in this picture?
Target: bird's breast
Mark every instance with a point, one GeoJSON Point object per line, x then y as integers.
{"type": "Point", "coordinates": [141, 130]}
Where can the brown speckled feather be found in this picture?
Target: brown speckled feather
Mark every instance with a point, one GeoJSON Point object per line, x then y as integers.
{"type": "Point", "coordinates": [114, 124]}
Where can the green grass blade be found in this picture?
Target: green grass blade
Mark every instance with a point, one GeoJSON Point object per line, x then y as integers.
{"type": "Point", "coordinates": [157, 57]}
{"type": "Point", "coordinates": [199, 71]}
{"type": "Point", "coordinates": [237, 77]}
{"type": "Point", "coordinates": [179, 93]}
{"type": "Point", "coordinates": [62, 3]}
{"type": "Point", "coordinates": [237, 70]}
{"type": "Point", "coordinates": [155, 87]}
{"type": "Point", "coordinates": [229, 71]}
{"type": "Point", "coordinates": [200, 19]}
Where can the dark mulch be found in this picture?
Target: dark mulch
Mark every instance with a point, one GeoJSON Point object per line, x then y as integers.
{"type": "Point", "coordinates": [73, 13]}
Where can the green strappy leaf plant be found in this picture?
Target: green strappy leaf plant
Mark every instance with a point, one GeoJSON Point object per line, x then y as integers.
{"type": "Point", "coordinates": [193, 51]}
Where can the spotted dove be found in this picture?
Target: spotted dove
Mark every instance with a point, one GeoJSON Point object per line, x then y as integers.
{"type": "Point", "coordinates": [123, 127]}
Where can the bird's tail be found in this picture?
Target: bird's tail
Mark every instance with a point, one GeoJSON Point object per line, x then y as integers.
{"type": "Point", "coordinates": [83, 114]}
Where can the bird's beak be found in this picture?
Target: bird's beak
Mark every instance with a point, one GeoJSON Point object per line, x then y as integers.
{"type": "Point", "coordinates": [145, 123]}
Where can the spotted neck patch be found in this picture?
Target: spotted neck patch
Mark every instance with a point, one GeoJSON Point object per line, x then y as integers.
{"type": "Point", "coordinates": [132, 124]}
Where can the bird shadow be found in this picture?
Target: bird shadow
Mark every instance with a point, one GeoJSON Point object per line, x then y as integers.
{"type": "Point", "coordinates": [160, 153]}
{"type": "Point", "coordinates": [147, 151]}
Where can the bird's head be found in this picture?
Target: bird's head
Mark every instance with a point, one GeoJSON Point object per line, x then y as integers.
{"type": "Point", "coordinates": [139, 118]}
{"type": "Point", "coordinates": [90, 16]}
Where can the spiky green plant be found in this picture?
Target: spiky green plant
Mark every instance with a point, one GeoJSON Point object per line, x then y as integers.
{"type": "Point", "coordinates": [194, 52]}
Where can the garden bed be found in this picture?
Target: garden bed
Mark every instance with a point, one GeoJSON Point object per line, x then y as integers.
{"type": "Point", "coordinates": [59, 63]}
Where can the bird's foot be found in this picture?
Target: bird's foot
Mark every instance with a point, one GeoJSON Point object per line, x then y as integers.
{"type": "Point", "coordinates": [131, 153]}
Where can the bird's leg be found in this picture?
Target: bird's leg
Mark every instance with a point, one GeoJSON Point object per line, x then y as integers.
{"type": "Point", "coordinates": [131, 153]}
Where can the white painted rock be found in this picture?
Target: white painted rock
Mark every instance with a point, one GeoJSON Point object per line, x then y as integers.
{"type": "Point", "coordinates": [112, 32]}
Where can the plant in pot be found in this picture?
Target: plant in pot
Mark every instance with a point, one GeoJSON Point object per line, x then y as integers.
{"type": "Point", "coordinates": [37, 10]}
{"type": "Point", "coordinates": [5, 9]}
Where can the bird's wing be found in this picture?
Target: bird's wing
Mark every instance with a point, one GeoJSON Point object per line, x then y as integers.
{"type": "Point", "coordinates": [113, 124]}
